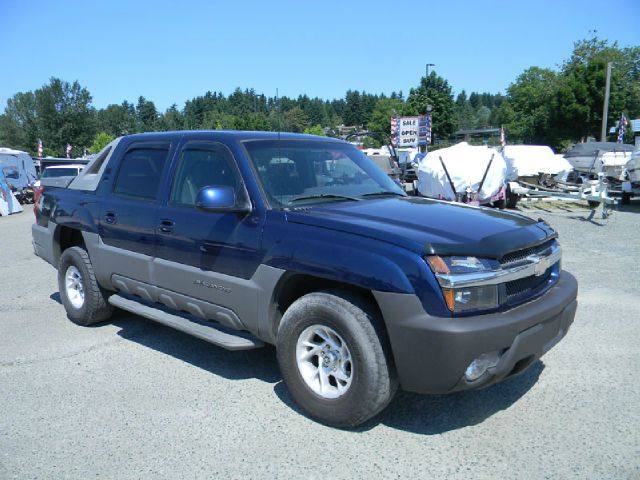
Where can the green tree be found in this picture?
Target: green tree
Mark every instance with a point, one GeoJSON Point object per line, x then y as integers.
{"type": "Point", "coordinates": [215, 120]}
{"type": "Point", "coordinates": [117, 120]}
{"type": "Point", "coordinates": [315, 130]}
{"type": "Point", "coordinates": [557, 108]}
{"type": "Point", "coordinates": [580, 96]}
{"type": "Point", "coordinates": [18, 125]}
{"type": "Point", "coordinates": [483, 117]}
{"type": "Point", "coordinates": [465, 117]}
{"type": "Point", "coordinates": [146, 115]}
{"type": "Point", "coordinates": [100, 141]}
{"type": "Point", "coordinates": [527, 115]}
{"type": "Point", "coordinates": [295, 120]}
{"type": "Point", "coordinates": [171, 120]}
{"type": "Point", "coordinates": [64, 115]}
{"type": "Point", "coordinates": [384, 111]}
{"type": "Point", "coordinates": [435, 91]}
{"type": "Point", "coordinates": [353, 111]}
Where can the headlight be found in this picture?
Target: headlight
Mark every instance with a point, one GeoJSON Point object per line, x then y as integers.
{"type": "Point", "coordinates": [456, 265]}
{"type": "Point", "coordinates": [465, 298]}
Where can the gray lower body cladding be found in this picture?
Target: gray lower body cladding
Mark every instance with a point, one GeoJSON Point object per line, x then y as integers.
{"type": "Point", "coordinates": [432, 353]}
{"type": "Point", "coordinates": [44, 246]}
{"type": "Point", "coordinates": [234, 302]}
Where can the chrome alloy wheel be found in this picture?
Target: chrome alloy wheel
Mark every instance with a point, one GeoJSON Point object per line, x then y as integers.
{"type": "Point", "coordinates": [74, 287]}
{"type": "Point", "coordinates": [324, 361]}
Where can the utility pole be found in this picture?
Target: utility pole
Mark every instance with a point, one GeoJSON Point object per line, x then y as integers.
{"type": "Point", "coordinates": [428, 107]}
{"type": "Point", "coordinates": [605, 108]}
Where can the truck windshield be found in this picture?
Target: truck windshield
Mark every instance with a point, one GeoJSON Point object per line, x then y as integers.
{"type": "Point", "coordinates": [298, 172]}
{"type": "Point", "coordinates": [59, 172]}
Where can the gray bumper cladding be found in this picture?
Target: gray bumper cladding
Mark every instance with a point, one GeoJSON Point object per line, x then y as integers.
{"type": "Point", "coordinates": [432, 353]}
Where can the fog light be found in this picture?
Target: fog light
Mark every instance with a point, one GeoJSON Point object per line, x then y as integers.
{"type": "Point", "coordinates": [480, 365]}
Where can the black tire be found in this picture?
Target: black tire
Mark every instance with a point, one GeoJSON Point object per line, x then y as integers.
{"type": "Point", "coordinates": [95, 307]}
{"type": "Point", "coordinates": [512, 199]}
{"type": "Point", "coordinates": [373, 376]}
{"type": "Point", "coordinates": [500, 204]}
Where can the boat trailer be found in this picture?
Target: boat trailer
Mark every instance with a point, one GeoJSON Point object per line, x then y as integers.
{"type": "Point", "coordinates": [594, 192]}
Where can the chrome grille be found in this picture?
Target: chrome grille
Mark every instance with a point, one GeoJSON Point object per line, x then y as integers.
{"type": "Point", "coordinates": [521, 255]}
{"type": "Point", "coordinates": [525, 287]}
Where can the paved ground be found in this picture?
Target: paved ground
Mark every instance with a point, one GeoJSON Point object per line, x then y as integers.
{"type": "Point", "coordinates": [135, 400]}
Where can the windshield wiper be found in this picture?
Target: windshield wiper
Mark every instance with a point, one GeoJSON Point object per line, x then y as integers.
{"type": "Point", "coordinates": [324, 195]}
{"type": "Point", "coordinates": [383, 193]}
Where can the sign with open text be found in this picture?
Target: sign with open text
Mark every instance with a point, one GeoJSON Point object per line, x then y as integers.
{"type": "Point", "coordinates": [411, 131]}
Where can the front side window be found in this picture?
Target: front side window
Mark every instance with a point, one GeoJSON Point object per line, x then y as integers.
{"type": "Point", "coordinates": [141, 171]}
{"type": "Point", "coordinates": [293, 172]}
{"type": "Point", "coordinates": [201, 165]}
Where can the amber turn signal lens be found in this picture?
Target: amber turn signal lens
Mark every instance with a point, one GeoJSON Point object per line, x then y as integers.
{"type": "Point", "coordinates": [449, 297]}
{"type": "Point", "coordinates": [437, 264]}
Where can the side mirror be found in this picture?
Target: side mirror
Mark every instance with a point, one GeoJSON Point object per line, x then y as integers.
{"type": "Point", "coordinates": [221, 199]}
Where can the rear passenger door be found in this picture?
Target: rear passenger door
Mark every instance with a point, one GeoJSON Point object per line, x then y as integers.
{"type": "Point", "coordinates": [127, 222]}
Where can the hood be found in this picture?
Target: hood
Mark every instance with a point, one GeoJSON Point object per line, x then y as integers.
{"type": "Point", "coordinates": [428, 226]}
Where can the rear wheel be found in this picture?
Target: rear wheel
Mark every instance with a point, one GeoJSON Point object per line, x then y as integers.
{"type": "Point", "coordinates": [83, 299]}
{"type": "Point", "coordinates": [335, 358]}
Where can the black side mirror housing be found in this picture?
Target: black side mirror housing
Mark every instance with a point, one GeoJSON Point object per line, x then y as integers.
{"type": "Point", "coordinates": [221, 199]}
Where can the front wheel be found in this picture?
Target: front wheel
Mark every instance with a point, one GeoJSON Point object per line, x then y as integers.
{"type": "Point", "coordinates": [335, 358]}
{"type": "Point", "coordinates": [83, 299]}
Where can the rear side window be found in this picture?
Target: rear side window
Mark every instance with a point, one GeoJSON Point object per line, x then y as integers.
{"type": "Point", "coordinates": [141, 171]}
{"type": "Point", "coordinates": [95, 166]}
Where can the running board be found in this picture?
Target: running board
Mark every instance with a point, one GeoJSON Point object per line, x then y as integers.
{"type": "Point", "coordinates": [196, 327]}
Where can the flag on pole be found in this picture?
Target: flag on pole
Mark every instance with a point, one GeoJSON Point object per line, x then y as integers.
{"type": "Point", "coordinates": [39, 148]}
{"type": "Point", "coordinates": [623, 123]}
{"type": "Point", "coordinates": [69, 150]}
{"type": "Point", "coordinates": [395, 131]}
{"type": "Point", "coordinates": [502, 141]}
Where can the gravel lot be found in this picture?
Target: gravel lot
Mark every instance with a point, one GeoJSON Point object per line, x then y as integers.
{"type": "Point", "coordinates": [131, 399]}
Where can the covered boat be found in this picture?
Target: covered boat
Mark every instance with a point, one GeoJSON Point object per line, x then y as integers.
{"type": "Point", "coordinates": [633, 167]}
{"type": "Point", "coordinates": [531, 162]}
{"type": "Point", "coordinates": [593, 157]}
{"type": "Point", "coordinates": [464, 173]}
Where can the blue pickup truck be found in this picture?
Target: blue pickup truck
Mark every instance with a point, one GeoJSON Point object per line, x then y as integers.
{"type": "Point", "coordinates": [246, 238]}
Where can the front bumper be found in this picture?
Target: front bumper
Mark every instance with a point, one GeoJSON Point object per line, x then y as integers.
{"type": "Point", "coordinates": [432, 353]}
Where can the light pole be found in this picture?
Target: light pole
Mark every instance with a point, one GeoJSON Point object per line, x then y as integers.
{"type": "Point", "coordinates": [427, 68]}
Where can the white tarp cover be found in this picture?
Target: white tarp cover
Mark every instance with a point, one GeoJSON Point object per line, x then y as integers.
{"type": "Point", "coordinates": [466, 165]}
{"type": "Point", "coordinates": [633, 166]}
{"type": "Point", "coordinates": [530, 160]}
{"type": "Point", "coordinates": [8, 202]}
{"type": "Point", "coordinates": [18, 167]}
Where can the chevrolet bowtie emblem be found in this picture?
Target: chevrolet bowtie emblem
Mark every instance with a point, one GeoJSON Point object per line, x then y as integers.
{"type": "Point", "coordinates": [541, 264]}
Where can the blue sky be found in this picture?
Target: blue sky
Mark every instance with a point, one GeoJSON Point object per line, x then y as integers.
{"type": "Point", "coordinates": [172, 51]}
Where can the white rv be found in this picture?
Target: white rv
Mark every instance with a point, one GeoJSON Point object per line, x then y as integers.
{"type": "Point", "coordinates": [18, 169]}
